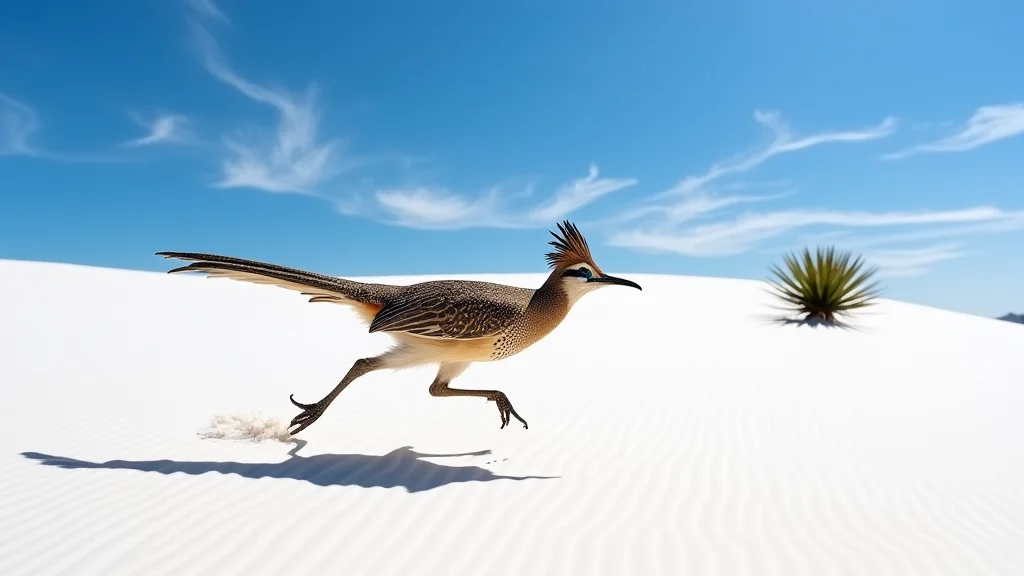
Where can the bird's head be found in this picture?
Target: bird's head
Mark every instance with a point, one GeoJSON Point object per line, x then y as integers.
{"type": "Point", "coordinates": [573, 267]}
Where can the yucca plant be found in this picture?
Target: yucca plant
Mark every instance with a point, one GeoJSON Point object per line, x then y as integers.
{"type": "Point", "coordinates": [824, 286]}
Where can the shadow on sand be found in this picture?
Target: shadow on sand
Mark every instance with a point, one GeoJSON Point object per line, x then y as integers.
{"type": "Point", "coordinates": [783, 320]}
{"type": "Point", "coordinates": [400, 468]}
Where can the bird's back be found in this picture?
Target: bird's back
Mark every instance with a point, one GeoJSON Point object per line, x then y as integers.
{"type": "Point", "coordinates": [457, 309]}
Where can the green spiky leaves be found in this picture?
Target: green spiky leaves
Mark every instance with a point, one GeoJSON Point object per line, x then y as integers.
{"type": "Point", "coordinates": [825, 285]}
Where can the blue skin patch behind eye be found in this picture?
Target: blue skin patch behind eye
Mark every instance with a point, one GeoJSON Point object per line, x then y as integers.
{"type": "Point", "coordinates": [582, 272]}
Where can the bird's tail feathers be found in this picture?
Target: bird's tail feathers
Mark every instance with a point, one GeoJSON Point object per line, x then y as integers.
{"type": "Point", "coordinates": [367, 298]}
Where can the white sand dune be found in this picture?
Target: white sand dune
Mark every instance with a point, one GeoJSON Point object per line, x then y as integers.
{"type": "Point", "coordinates": [672, 431]}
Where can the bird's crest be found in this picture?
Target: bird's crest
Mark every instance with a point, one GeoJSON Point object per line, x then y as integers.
{"type": "Point", "coordinates": [570, 248]}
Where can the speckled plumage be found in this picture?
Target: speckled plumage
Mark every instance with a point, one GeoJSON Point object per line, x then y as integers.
{"type": "Point", "coordinates": [452, 309]}
{"type": "Point", "coordinates": [451, 323]}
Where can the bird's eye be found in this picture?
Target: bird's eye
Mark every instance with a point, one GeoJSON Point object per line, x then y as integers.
{"type": "Point", "coordinates": [585, 273]}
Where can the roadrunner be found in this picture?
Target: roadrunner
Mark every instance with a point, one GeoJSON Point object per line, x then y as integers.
{"type": "Point", "coordinates": [451, 323]}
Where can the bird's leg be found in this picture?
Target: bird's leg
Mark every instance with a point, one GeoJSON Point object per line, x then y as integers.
{"type": "Point", "coordinates": [310, 412]}
{"type": "Point", "coordinates": [440, 389]}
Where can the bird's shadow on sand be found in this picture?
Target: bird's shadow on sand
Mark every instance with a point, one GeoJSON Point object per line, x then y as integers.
{"type": "Point", "coordinates": [400, 468]}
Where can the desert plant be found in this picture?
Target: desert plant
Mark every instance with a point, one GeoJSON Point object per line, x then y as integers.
{"type": "Point", "coordinates": [824, 286]}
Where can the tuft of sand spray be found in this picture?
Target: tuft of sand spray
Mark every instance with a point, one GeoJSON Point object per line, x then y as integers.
{"type": "Point", "coordinates": [253, 426]}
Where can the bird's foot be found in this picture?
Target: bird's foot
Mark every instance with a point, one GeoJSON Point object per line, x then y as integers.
{"type": "Point", "coordinates": [310, 413]}
{"type": "Point", "coordinates": [505, 408]}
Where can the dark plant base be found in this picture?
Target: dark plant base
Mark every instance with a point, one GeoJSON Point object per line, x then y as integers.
{"type": "Point", "coordinates": [814, 321]}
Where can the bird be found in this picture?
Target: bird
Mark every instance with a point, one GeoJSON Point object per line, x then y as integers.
{"type": "Point", "coordinates": [448, 323]}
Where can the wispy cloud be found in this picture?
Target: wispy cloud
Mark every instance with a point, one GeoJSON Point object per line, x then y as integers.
{"type": "Point", "coordinates": [692, 218]}
{"type": "Point", "coordinates": [667, 219]}
{"type": "Point", "coordinates": [988, 124]}
{"type": "Point", "coordinates": [441, 209]}
{"type": "Point", "coordinates": [295, 159]}
{"type": "Point", "coordinates": [166, 128]}
{"type": "Point", "coordinates": [691, 206]}
{"type": "Point", "coordinates": [745, 232]}
{"type": "Point", "coordinates": [913, 261]}
{"type": "Point", "coordinates": [207, 9]}
{"type": "Point", "coordinates": [702, 195]}
{"type": "Point", "coordinates": [17, 123]}
{"type": "Point", "coordinates": [1009, 221]}
{"type": "Point", "coordinates": [578, 193]}
{"type": "Point", "coordinates": [785, 141]}
{"type": "Point", "coordinates": [501, 206]}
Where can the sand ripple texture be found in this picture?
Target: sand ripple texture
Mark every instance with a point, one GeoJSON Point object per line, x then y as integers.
{"type": "Point", "coordinates": [672, 431]}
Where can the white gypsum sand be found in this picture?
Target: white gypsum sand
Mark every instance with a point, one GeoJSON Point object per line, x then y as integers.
{"type": "Point", "coordinates": [672, 431]}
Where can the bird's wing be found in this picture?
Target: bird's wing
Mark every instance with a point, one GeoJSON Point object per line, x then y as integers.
{"type": "Point", "coordinates": [450, 310]}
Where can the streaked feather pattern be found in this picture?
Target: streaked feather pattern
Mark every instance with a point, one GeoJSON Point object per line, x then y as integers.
{"type": "Point", "coordinates": [452, 309]}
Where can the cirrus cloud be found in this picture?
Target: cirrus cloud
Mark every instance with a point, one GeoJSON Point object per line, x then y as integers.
{"type": "Point", "coordinates": [988, 124]}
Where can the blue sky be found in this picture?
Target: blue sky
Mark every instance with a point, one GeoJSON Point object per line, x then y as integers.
{"type": "Point", "coordinates": [390, 138]}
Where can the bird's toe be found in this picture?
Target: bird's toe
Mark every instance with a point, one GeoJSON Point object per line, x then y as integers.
{"type": "Point", "coordinates": [291, 397]}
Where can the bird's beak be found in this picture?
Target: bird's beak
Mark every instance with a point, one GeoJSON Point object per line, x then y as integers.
{"type": "Point", "coordinates": [613, 280]}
